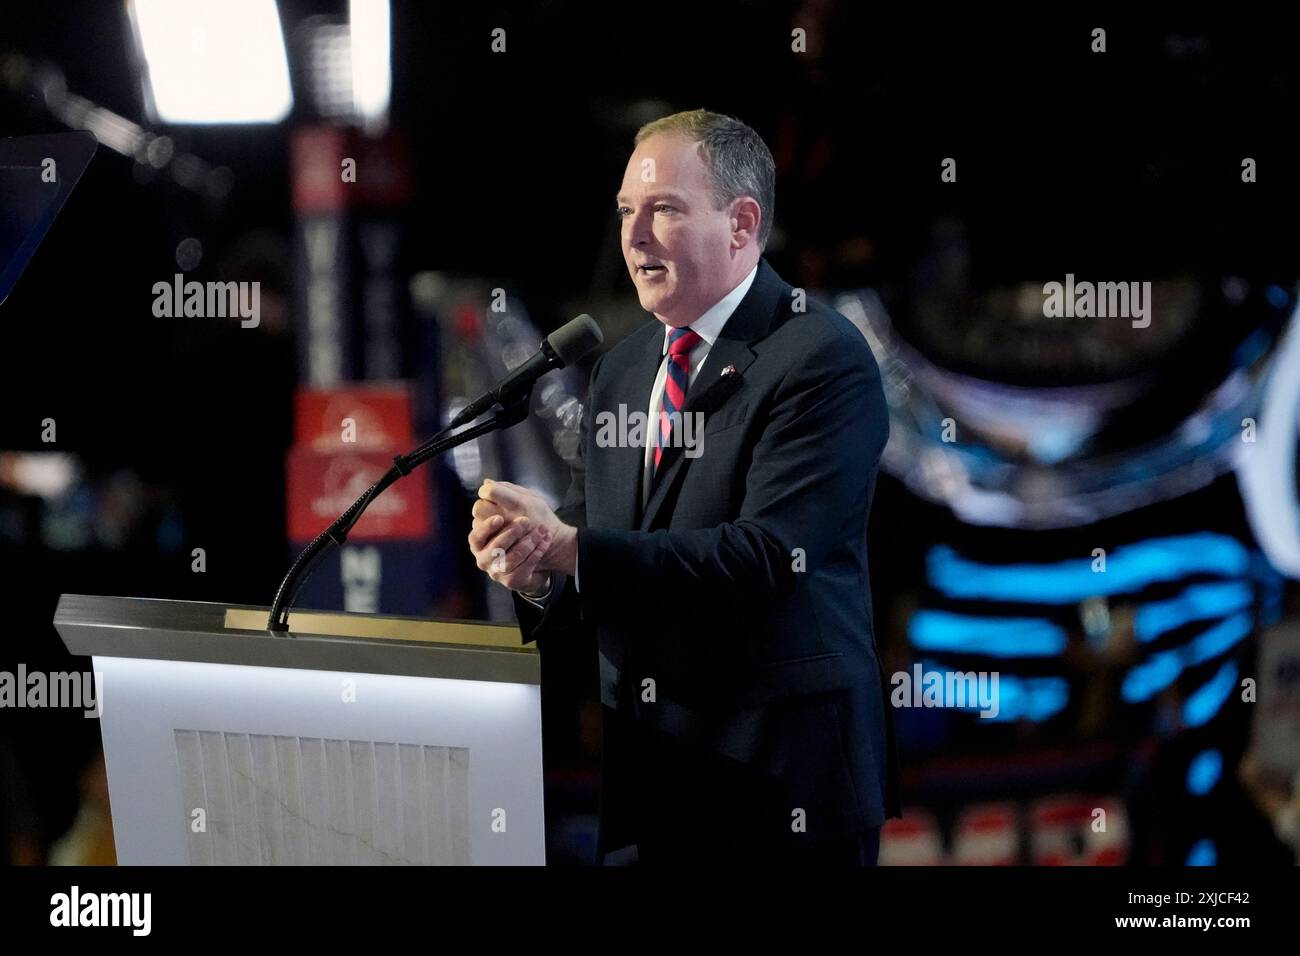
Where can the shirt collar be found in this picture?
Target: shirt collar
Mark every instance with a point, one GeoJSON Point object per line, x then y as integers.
{"type": "Point", "coordinates": [709, 325]}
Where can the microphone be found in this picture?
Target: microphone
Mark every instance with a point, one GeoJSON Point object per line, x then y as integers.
{"type": "Point", "coordinates": [564, 346]}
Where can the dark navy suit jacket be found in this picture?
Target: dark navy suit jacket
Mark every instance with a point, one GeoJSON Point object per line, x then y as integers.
{"type": "Point", "coordinates": [733, 611]}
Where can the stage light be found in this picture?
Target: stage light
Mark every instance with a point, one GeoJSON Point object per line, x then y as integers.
{"type": "Point", "coordinates": [935, 630]}
{"type": "Point", "coordinates": [1208, 699]}
{"type": "Point", "coordinates": [209, 62]}
{"type": "Point", "coordinates": [50, 475]}
{"type": "Point", "coordinates": [371, 70]}
{"type": "Point", "coordinates": [1203, 853]}
{"type": "Point", "coordinates": [1204, 772]}
{"type": "Point", "coordinates": [1266, 468]}
{"type": "Point", "coordinates": [1199, 602]}
{"type": "Point", "coordinates": [1130, 568]}
{"type": "Point", "coordinates": [1160, 670]}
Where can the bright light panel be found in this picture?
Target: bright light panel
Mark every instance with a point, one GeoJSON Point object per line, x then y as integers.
{"type": "Point", "coordinates": [209, 62]}
{"type": "Point", "coordinates": [369, 21]}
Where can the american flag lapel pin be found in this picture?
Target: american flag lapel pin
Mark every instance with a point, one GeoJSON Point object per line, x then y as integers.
{"type": "Point", "coordinates": [728, 371]}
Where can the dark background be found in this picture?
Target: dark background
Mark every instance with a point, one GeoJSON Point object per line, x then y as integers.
{"type": "Point", "coordinates": [1069, 161]}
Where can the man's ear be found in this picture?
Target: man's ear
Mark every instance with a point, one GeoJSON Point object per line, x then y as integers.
{"type": "Point", "coordinates": [746, 217]}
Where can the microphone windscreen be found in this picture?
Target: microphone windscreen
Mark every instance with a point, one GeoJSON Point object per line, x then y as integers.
{"type": "Point", "coordinates": [575, 338]}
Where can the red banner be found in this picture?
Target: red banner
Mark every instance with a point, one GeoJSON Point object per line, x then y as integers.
{"type": "Point", "coordinates": [322, 485]}
{"type": "Point", "coordinates": [359, 418]}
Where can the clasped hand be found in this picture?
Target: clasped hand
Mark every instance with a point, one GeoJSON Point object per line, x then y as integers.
{"type": "Point", "coordinates": [517, 539]}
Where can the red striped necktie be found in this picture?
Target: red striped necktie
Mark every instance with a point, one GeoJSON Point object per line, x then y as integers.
{"type": "Point", "coordinates": [680, 343]}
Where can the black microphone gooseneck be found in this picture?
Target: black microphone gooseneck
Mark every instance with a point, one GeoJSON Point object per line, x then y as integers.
{"type": "Point", "coordinates": [562, 347]}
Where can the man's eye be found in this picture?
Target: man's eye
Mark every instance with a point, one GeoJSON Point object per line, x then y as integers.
{"type": "Point", "coordinates": [623, 211]}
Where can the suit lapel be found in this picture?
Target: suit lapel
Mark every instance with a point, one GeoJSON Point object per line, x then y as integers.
{"type": "Point", "coordinates": [631, 389]}
{"type": "Point", "coordinates": [721, 376]}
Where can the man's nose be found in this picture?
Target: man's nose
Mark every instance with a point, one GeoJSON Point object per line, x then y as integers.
{"type": "Point", "coordinates": [639, 230]}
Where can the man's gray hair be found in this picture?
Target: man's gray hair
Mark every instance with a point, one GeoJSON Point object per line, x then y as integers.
{"type": "Point", "coordinates": [738, 159]}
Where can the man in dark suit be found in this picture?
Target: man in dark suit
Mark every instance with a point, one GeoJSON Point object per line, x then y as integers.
{"type": "Point", "coordinates": [720, 553]}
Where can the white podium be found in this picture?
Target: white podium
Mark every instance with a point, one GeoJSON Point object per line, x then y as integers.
{"type": "Point", "coordinates": [352, 739]}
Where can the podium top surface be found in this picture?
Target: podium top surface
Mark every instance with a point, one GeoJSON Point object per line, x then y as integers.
{"type": "Point", "coordinates": [197, 631]}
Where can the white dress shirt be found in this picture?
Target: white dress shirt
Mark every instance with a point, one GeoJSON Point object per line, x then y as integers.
{"type": "Point", "coordinates": [708, 327]}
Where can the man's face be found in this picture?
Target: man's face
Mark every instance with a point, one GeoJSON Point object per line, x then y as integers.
{"type": "Point", "coordinates": [669, 224]}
